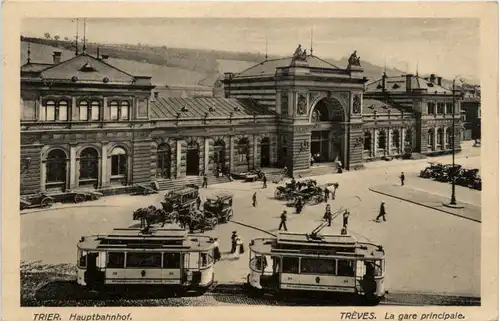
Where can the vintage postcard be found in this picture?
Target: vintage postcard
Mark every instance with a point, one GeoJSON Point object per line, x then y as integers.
{"type": "Point", "coordinates": [241, 161]}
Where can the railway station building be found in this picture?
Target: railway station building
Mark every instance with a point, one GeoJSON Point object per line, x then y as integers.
{"type": "Point", "coordinates": [86, 124]}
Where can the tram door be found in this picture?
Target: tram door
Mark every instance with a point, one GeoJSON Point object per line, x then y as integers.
{"type": "Point", "coordinates": [191, 268]}
{"type": "Point", "coordinates": [93, 275]}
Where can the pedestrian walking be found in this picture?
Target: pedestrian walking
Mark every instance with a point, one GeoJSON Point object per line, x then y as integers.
{"type": "Point", "coordinates": [240, 249]}
{"type": "Point", "coordinates": [283, 221]}
{"type": "Point", "coordinates": [217, 254]}
{"type": "Point", "coordinates": [205, 181]}
{"type": "Point", "coordinates": [381, 212]}
{"type": "Point", "coordinates": [346, 218]}
{"type": "Point", "coordinates": [327, 209]}
{"type": "Point", "coordinates": [264, 180]}
{"type": "Point", "coordinates": [198, 202]}
{"type": "Point", "coordinates": [327, 194]}
{"type": "Point", "coordinates": [329, 216]}
{"type": "Point", "coordinates": [233, 242]}
{"type": "Point", "coordinates": [335, 187]}
{"type": "Point", "coordinates": [254, 200]}
{"type": "Point", "coordinates": [402, 178]}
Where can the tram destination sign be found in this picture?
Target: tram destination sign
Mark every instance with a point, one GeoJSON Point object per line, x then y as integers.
{"type": "Point", "coordinates": [143, 281]}
{"type": "Point", "coordinates": [317, 288]}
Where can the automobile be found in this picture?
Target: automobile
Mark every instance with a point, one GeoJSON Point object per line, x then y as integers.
{"type": "Point", "coordinates": [182, 201]}
{"type": "Point", "coordinates": [42, 200]}
{"type": "Point", "coordinates": [220, 206]}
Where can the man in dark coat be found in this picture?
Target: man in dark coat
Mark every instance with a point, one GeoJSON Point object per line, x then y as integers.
{"type": "Point", "coordinates": [264, 180]}
{"type": "Point", "coordinates": [217, 254]}
{"type": "Point", "coordinates": [346, 218]}
{"type": "Point", "coordinates": [327, 194]}
{"type": "Point", "coordinates": [329, 216]}
{"type": "Point", "coordinates": [381, 212]}
{"type": "Point", "coordinates": [233, 242]}
{"type": "Point", "coordinates": [198, 202]}
{"type": "Point", "coordinates": [254, 200]}
{"type": "Point", "coordinates": [205, 181]}
{"type": "Point", "coordinates": [402, 178]}
{"type": "Point", "coordinates": [283, 221]}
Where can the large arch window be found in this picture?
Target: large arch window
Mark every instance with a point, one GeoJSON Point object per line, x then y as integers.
{"type": "Point", "coordinates": [54, 110]}
{"type": "Point", "coordinates": [89, 164]}
{"type": "Point", "coordinates": [382, 139]}
{"type": "Point", "coordinates": [119, 165]}
{"type": "Point", "coordinates": [327, 109]}
{"type": "Point", "coordinates": [163, 161]}
{"type": "Point", "coordinates": [367, 141]}
{"type": "Point", "coordinates": [430, 137]}
{"type": "Point", "coordinates": [440, 137]}
{"type": "Point", "coordinates": [56, 168]}
{"type": "Point", "coordinates": [89, 111]}
{"type": "Point", "coordinates": [243, 150]}
{"type": "Point", "coordinates": [395, 138]}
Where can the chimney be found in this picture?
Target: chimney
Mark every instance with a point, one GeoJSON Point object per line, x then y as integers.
{"type": "Point", "coordinates": [104, 57]}
{"type": "Point", "coordinates": [439, 81]}
{"type": "Point", "coordinates": [56, 57]}
{"type": "Point", "coordinates": [433, 78]}
{"type": "Point", "coordinates": [408, 82]}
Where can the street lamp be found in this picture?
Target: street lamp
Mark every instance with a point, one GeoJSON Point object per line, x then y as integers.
{"type": "Point", "coordinates": [453, 200]}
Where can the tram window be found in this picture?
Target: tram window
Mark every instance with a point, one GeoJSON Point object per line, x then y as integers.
{"type": "Point", "coordinates": [317, 266]}
{"type": "Point", "coordinates": [378, 268]}
{"type": "Point", "coordinates": [290, 265]}
{"type": "Point", "coordinates": [171, 260]}
{"type": "Point", "coordinates": [82, 261]}
{"type": "Point", "coordinates": [345, 268]}
{"type": "Point", "coordinates": [206, 259]}
{"type": "Point", "coordinates": [260, 263]}
{"type": "Point", "coordinates": [144, 260]}
{"type": "Point", "coordinates": [116, 260]}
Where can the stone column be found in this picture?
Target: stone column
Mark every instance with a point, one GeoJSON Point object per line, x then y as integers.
{"type": "Point", "coordinates": [105, 167]}
{"type": "Point", "coordinates": [402, 140]}
{"type": "Point", "coordinates": [291, 103]}
{"type": "Point", "coordinates": [389, 141]}
{"type": "Point", "coordinates": [231, 153]}
{"type": "Point", "coordinates": [73, 172]}
{"type": "Point", "coordinates": [375, 143]}
{"type": "Point", "coordinates": [74, 114]}
{"type": "Point", "coordinates": [178, 154]}
{"type": "Point", "coordinates": [255, 138]}
{"type": "Point", "coordinates": [43, 175]}
{"type": "Point", "coordinates": [435, 138]}
{"type": "Point", "coordinates": [105, 110]}
{"type": "Point", "coordinates": [207, 156]}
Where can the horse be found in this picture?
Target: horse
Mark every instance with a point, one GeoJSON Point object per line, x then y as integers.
{"type": "Point", "coordinates": [145, 215]}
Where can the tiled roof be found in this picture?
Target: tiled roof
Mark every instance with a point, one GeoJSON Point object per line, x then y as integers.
{"type": "Point", "coordinates": [86, 68]}
{"type": "Point", "coordinates": [268, 67]}
{"type": "Point", "coordinates": [397, 84]}
{"type": "Point", "coordinates": [164, 108]}
{"type": "Point", "coordinates": [371, 105]}
{"type": "Point", "coordinates": [34, 66]}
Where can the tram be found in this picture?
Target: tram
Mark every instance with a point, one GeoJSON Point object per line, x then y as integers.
{"type": "Point", "coordinates": [130, 256]}
{"type": "Point", "coordinates": [313, 263]}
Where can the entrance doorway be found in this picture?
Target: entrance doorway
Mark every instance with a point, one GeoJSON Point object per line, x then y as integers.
{"type": "Point", "coordinates": [219, 157]}
{"type": "Point", "coordinates": [320, 146]}
{"type": "Point", "coordinates": [193, 159]}
{"type": "Point", "coordinates": [265, 148]}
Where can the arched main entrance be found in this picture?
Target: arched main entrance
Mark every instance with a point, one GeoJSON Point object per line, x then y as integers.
{"type": "Point", "coordinates": [219, 156]}
{"type": "Point", "coordinates": [326, 135]}
{"type": "Point", "coordinates": [56, 170]}
{"type": "Point", "coordinates": [265, 152]}
{"type": "Point", "coordinates": [164, 161]}
{"type": "Point", "coordinates": [193, 159]}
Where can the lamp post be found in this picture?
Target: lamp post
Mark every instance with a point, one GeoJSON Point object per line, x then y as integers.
{"type": "Point", "coordinates": [453, 200]}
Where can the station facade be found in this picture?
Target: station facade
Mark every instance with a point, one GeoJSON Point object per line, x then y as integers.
{"type": "Point", "coordinates": [87, 124]}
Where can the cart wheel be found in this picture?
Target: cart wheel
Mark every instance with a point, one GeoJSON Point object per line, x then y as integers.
{"type": "Point", "coordinates": [79, 198]}
{"type": "Point", "coordinates": [47, 202]}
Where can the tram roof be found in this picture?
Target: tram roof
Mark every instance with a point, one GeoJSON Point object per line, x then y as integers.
{"type": "Point", "coordinates": [296, 244]}
{"type": "Point", "coordinates": [169, 237]}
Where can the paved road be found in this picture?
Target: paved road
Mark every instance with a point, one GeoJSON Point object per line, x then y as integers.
{"type": "Point", "coordinates": [427, 251]}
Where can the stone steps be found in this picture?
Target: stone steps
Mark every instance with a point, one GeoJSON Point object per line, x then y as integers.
{"type": "Point", "coordinates": [315, 171]}
{"type": "Point", "coordinates": [177, 184]}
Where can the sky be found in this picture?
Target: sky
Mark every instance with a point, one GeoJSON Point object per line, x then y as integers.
{"type": "Point", "coordinates": [446, 47]}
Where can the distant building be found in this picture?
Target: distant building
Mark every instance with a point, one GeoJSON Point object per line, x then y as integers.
{"type": "Point", "coordinates": [470, 104]}
{"type": "Point", "coordinates": [419, 109]}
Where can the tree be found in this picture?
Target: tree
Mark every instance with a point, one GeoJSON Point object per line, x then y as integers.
{"type": "Point", "coordinates": [66, 38]}
{"type": "Point", "coordinates": [47, 35]}
{"type": "Point", "coordinates": [56, 37]}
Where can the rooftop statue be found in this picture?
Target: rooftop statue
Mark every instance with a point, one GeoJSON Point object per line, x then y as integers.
{"type": "Point", "coordinates": [354, 60]}
{"type": "Point", "coordinates": [300, 54]}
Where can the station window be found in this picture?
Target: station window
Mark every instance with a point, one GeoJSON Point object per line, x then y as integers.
{"type": "Point", "coordinates": [345, 268]}
{"type": "Point", "coordinates": [116, 260]}
{"type": "Point", "coordinates": [144, 260]}
{"type": "Point", "coordinates": [82, 259]}
{"type": "Point", "coordinates": [290, 265]}
{"type": "Point", "coordinates": [171, 260]}
{"type": "Point", "coordinates": [317, 266]}
{"type": "Point", "coordinates": [430, 108]}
